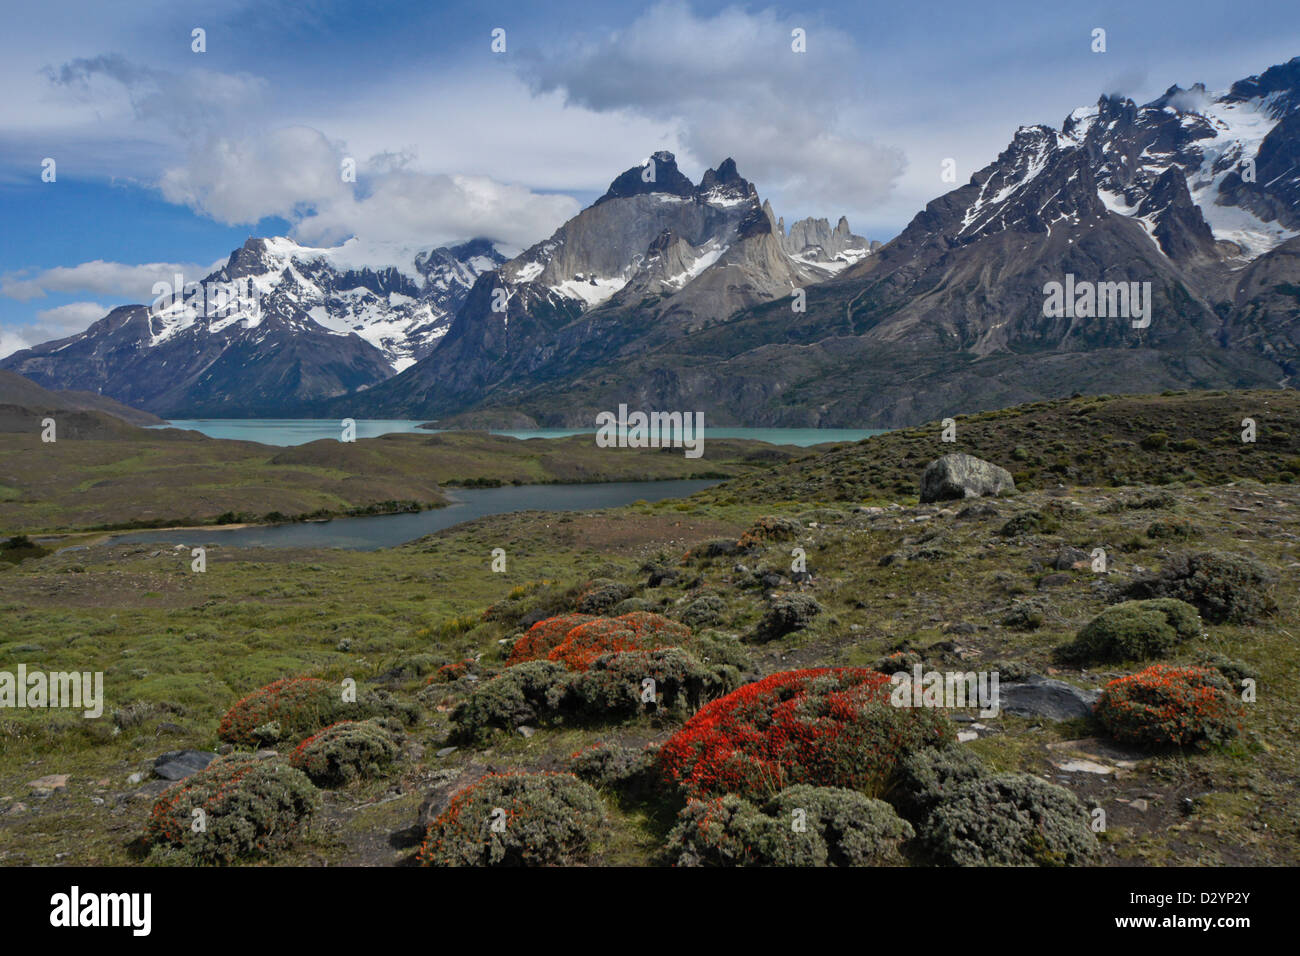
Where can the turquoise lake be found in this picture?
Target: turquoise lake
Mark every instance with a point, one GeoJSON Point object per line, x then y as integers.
{"type": "Point", "coordinates": [299, 431]}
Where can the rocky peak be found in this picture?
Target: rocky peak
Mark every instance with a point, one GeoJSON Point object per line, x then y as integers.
{"type": "Point", "coordinates": [664, 177]}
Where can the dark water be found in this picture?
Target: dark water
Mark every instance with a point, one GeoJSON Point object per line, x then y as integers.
{"type": "Point", "coordinates": [385, 531]}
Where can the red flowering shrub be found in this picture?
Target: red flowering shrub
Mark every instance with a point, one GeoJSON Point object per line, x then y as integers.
{"type": "Point", "coordinates": [543, 636]}
{"type": "Point", "coordinates": [516, 819]}
{"type": "Point", "coordinates": [1166, 705]}
{"type": "Point", "coordinates": [248, 807]}
{"type": "Point", "coordinates": [297, 705]}
{"type": "Point", "coordinates": [830, 727]}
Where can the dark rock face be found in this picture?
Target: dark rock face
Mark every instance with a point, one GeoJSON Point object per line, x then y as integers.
{"type": "Point", "coordinates": [963, 476]}
{"type": "Point", "coordinates": [1044, 697]}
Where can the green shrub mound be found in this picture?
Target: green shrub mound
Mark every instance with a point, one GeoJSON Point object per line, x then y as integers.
{"type": "Point", "coordinates": [705, 611]}
{"type": "Point", "coordinates": [523, 694]}
{"type": "Point", "coordinates": [800, 826]}
{"type": "Point", "coordinates": [601, 596]}
{"type": "Point", "coordinates": [615, 686]}
{"type": "Point", "coordinates": [1009, 819]}
{"type": "Point", "coordinates": [787, 614]}
{"type": "Point", "coordinates": [1227, 588]}
{"type": "Point", "coordinates": [516, 819]}
{"type": "Point", "coordinates": [288, 709]}
{"type": "Point", "coordinates": [633, 604]}
{"type": "Point", "coordinates": [614, 766]}
{"type": "Point", "coordinates": [1135, 631]}
{"type": "Point", "coordinates": [927, 777]}
{"type": "Point", "coordinates": [249, 807]}
{"type": "Point", "coordinates": [1169, 706]}
{"type": "Point", "coordinates": [346, 751]}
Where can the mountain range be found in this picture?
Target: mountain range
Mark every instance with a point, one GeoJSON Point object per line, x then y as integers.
{"type": "Point", "coordinates": [666, 294]}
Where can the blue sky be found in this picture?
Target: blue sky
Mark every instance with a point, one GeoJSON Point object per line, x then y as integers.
{"type": "Point", "coordinates": [167, 158]}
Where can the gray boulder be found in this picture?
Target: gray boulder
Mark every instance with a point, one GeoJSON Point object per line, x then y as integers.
{"type": "Point", "coordinates": [1044, 697]}
{"type": "Point", "coordinates": [963, 476]}
{"type": "Point", "coordinates": [179, 764]}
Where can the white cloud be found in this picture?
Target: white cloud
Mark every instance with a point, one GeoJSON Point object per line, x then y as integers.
{"type": "Point", "coordinates": [56, 323]}
{"type": "Point", "coordinates": [134, 283]}
{"type": "Point", "coordinates": [295, 173]}
{"type": "Point", "coordinates": [734, 87]}
{"type": "Point", "coordinates": [73, 317]}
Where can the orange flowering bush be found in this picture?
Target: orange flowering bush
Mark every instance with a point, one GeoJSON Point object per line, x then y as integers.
{"type": "Point", "coordinates": [297, 705]}
{"type": "Point", "coordinates": [576, 640]}
{"type": "Point", "coordinates": [830, 727]}
{"type": "Point", "coordinates": [450, 673]}
{"type": "Point", "coordinates": [246, 807]}
{"type": "Point", "coordinates": [1166, 705]}
{"type": "Point", "coordinates": [543, 636]}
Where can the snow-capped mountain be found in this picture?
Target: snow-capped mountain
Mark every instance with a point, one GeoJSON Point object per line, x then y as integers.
{"type": "Point", "coordinates": [655, 256]}
{"type": "Point", "coordinates": [1193, 200]}
{"type": "Point", "coordinates": [278, 325]}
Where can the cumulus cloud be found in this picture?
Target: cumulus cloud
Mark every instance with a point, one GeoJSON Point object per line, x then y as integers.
{"type": "Point", "coordinates": [56, 323]}
{"type": "Point", "coordinates": [294, 173]}
{"type": "Point", "coordinates": [735, 88]}
{"type": "Point", "coordinates": [116, 279]}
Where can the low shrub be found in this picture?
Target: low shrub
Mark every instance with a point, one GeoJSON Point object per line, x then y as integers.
{"type": "Point", "coordinates": [524, 694]}
{"type": "Point", "coordinates": [601, 595]}
{"type": "Point", "coordinates": [800, 826]}
{"type": "Point", "coordinates": [1227, 588]}
{"type": "Point", "coordinates": [767, 529]}
{"type": "Point", "coordinates": [347, 751]}
{"type": "Point", "coordinates": [1169, 706]}
{"type": "Point", "coordinates": [826, 726]}
{"type": "Point", "coordinates": [250, 807]}
{"type": "Point", "coordinates": [1024, 616]}
{"type": "Point", "coordinates": [704, 611]}
{"type": "Point", "coordinates": [1009, 819]}
{"type": "Point", "coordinates": [614, 686]}
{"type": "Point", "coordinates": [927, 777]}
{"type": "Point", "coordinates": [614, 766]}
{"type": "Point", "coordinates": [787, 614]}
{"type": "Point", "coordinates": [516, 819]}
{"type": "Point", "coordinates": [287, 709]}
{"type": "Point", "coordinates": [1135, 631]}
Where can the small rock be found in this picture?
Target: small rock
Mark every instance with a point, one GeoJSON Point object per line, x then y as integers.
{"type": "Point", "coordinates": [965, 736]}
{"type": "Point", "coordinates": [179, 764]}
{"type": "Point", "coordinates": [1083, 766]}
{"type": "Point", "coordinates": [50, 784]}
{"type": "Point", "coordinates": [224, 749]}
{"type": "Point", "coordinates": [135, 778]}
{"type": "Point", "coordinates": [446, 751]}
{"type": "Point", "coordinates": [1140, 805]}
{"type": "Point", "coordinates": [525, 731]}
